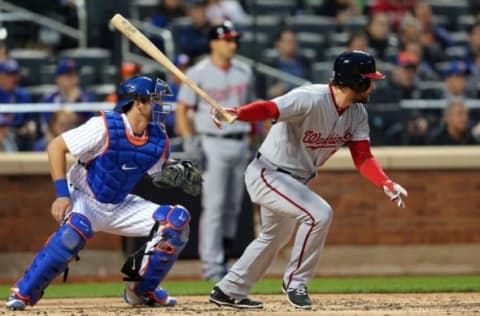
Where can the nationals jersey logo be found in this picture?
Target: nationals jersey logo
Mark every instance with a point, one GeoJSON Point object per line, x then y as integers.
{"type": "Point", "coordinates": [315, 140]}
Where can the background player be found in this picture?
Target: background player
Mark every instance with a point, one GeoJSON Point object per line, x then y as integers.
{"type": "Point", "coordinates": [114, 151]}
{"type": "Point", "coordinates": [312, 123]}
{"type": "Point", "coordinates": [226, 152]}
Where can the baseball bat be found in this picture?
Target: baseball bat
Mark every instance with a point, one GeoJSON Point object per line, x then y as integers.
{"type": "Point", "coordinates": [133, 34]}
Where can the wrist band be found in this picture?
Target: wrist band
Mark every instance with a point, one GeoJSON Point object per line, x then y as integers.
{"type": "Point", "coordinates": [61, 187]}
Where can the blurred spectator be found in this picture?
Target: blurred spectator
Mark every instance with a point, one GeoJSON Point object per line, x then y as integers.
{"type": "Point", "coordinates": [403, 82]}
{"type": "Point", "coordinates": [394, 9]}
{"type": "Point", "coordinates": [166, 11]}
{"type": "Point", "coordinates": [128, 70]}
{"type": "Point", "coordinates": [60, 121]}
{"type": "Point", "coordinates": [424, 70]}
{"type": "Point", "coordinates": [68, 89]}
{"type": "Point", "coordinates": [411, 30]}
{"type": "Point", "coordinates": [456, 81]}
{"type": "Point", "coordinates": [24, 125]}
{"type": "Point", "coordinates": [455, 129]}
{"type": "Point", "coordinates": [473, 48]}
{"type": "Point", "coordinates": [289, 59]}
{"type": "Point", "coordinates": [379, 35]}
{"type": "Point", "coordinates": [7, 137]}
{"type": "Point", "coordinates": [422, 11]}
{"type": "Point", "coordinates": [193, 40]}
{"type": "Point", "coordinates": [412, 132]}
{"type": "Point", "coordinates": [341, 10]}
{"type": "Point", "coordinates": [358, 41]}
{"type": "Point", "coordinates": [218, 11]}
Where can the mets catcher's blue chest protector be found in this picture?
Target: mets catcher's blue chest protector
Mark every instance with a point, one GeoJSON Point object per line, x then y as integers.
{"type": "Point", "coordinates": [113, 175]}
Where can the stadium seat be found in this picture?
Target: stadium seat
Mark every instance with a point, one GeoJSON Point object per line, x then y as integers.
{"type": "Point", "coordinates": [268, 24]}
{"type": "Point", "coordinates": [142, 9]}
{"type": "Point", "coordinates": [277, 7]}
{"type": "Point", "coordinates": [314, 41]}
{"type": "Point", "coordinates": [431, 89]}
{"type": "Point", "coordinates": [101, 91]}
{"type": "Point", "coordinates": [31, 61]}
{"type": "Point", "coordinates": [464, 22]}
{"type": "Point", "coordinates": [95, 57]}
{"type": "Point", "coordinates": [312, 23]}
{"type": "Point", "coordinates": [39, 91]}
{"type": "Point", "coordinates": [322, 72]}
{"type": "Point", "coordinates": [354, 24]}
{"type": "Point", "coordinates": [460, 38]}
{"type": "Point", "coordinates": [109, 74]}
{"type": "Point", "coordinates": [252, 46]}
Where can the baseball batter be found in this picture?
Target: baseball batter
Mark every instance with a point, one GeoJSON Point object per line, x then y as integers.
{"type": "Point", "coordinates": [114, 152]}
{"type": "Point", "coordinates": [312, 123]}
{"type": "Point", "coordinates": [225, 152]}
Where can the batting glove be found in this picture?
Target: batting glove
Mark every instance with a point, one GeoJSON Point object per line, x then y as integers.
{"type": "Point", "coordinates": [218, 118]}
{"type": "Point", "coordinates": [395, 191]}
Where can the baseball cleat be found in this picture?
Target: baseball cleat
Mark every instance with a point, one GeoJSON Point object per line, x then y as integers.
{"type": "Point", "coordinates": [14, 303]}
{"type": "Point", "coordinates": [297, 297]}
{"type": "Point", "coordinates": [221, 299]}
{"type": "Point", "coordinates": [157, 298]}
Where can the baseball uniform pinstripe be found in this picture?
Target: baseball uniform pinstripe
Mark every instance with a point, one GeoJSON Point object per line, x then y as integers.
{"type": "Point", "coordinates": [132, 217]}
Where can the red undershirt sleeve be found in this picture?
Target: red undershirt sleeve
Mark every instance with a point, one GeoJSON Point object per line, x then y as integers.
{"type": "Point", "coordinates": [257, 111]}
{"type": "Point", "coordinates": [366, 164]}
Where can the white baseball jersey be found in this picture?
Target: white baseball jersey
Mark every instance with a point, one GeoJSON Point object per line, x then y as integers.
{"type": "Point", "coordinates": [310, 130]}
{"type": "Point", "coordinates": [229, 87]}
{"type": "Point", "coordinates": [132, 217]}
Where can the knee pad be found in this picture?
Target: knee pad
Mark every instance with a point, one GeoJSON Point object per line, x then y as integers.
{"type": "Point", "coordinates": [149, 265]}
{"type": "Point", "coordinates": [53, 258]}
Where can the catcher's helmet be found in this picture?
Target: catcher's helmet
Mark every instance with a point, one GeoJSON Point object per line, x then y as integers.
{"type": "Point", "coordinates": [224, 31]}
{"type": "Point", "coordinates": [144, 88]}
{"type": "Point", "coordinates": [355, 69]}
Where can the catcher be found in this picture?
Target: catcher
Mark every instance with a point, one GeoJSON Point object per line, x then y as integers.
{"type": "Point", "coordinates": [114, 151]}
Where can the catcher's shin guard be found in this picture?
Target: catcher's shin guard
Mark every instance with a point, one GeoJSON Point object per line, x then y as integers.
{"type": "Point", "coordinates": [149, 265]}
{"type": "Point", "coordinates": [53, 258]}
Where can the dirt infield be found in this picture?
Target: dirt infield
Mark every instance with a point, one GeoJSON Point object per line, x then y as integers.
{"type": "Point", "coordinates": [326, 304]}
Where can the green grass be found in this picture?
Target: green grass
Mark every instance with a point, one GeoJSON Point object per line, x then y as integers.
{"type": "Point", "coordinates": [413, 284]}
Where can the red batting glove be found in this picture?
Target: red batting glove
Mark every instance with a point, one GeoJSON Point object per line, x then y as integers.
{"type": "Point", "coordinates": [395, 191]}
{"type": "Point", "coordinates": [217, 117]}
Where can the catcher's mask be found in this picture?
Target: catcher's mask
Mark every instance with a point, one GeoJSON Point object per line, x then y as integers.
{"type": "Point", "coordinates": [145, 89]}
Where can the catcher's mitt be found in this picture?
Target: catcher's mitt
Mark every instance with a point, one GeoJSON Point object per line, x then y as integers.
{"type": "Point", "coordinates": [183, 175]}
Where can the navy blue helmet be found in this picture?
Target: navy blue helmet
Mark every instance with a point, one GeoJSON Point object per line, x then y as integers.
{"type": "Point", "coordinates": [355, 69]}
{"type": "Point", "coordinates": [144, 88]}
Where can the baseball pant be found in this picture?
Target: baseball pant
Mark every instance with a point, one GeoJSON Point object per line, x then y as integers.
{"type": "Point", "coordinates": [285, 202]}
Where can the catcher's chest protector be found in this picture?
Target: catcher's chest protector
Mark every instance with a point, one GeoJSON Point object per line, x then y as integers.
{"type": "Point", "coordinates": [114, 174]}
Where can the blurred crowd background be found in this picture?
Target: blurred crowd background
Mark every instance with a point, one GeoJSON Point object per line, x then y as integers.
{"type": "Point", "coordinates": [429, 50]}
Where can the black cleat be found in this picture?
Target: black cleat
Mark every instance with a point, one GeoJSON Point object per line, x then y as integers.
{"type": "Point", "coordinates": [297, 297]}
{"type": "Point", "coordinates": [221, 299]}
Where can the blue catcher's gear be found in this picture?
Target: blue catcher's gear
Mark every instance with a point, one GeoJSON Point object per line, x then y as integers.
{"type": "Point", "coordinates": [149, 265]}
{"type": "Point", "coordinates": [355, 69]}
{"type": "Point", "coordinates": [113, 175]}
{"type": "Point", "coordinates": [62, 246]}
{"type": "Point", "coordinates": [144, 88]}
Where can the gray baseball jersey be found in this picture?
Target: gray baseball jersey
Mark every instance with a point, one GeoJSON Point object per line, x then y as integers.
{"type": "Point", "coordinates": [226, 155]}
{"type": "Point", "coordinates": [308, 132]}
{"type": "Point", "coordinates": [229, 87]}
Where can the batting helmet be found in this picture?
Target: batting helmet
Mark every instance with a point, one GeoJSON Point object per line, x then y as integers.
{"type": "Point", "coordinates": [144, 88]}
{"type": "Point", "coordinates": [224, 31]}
{"type": "Point", "coordinates": [355, 69]}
